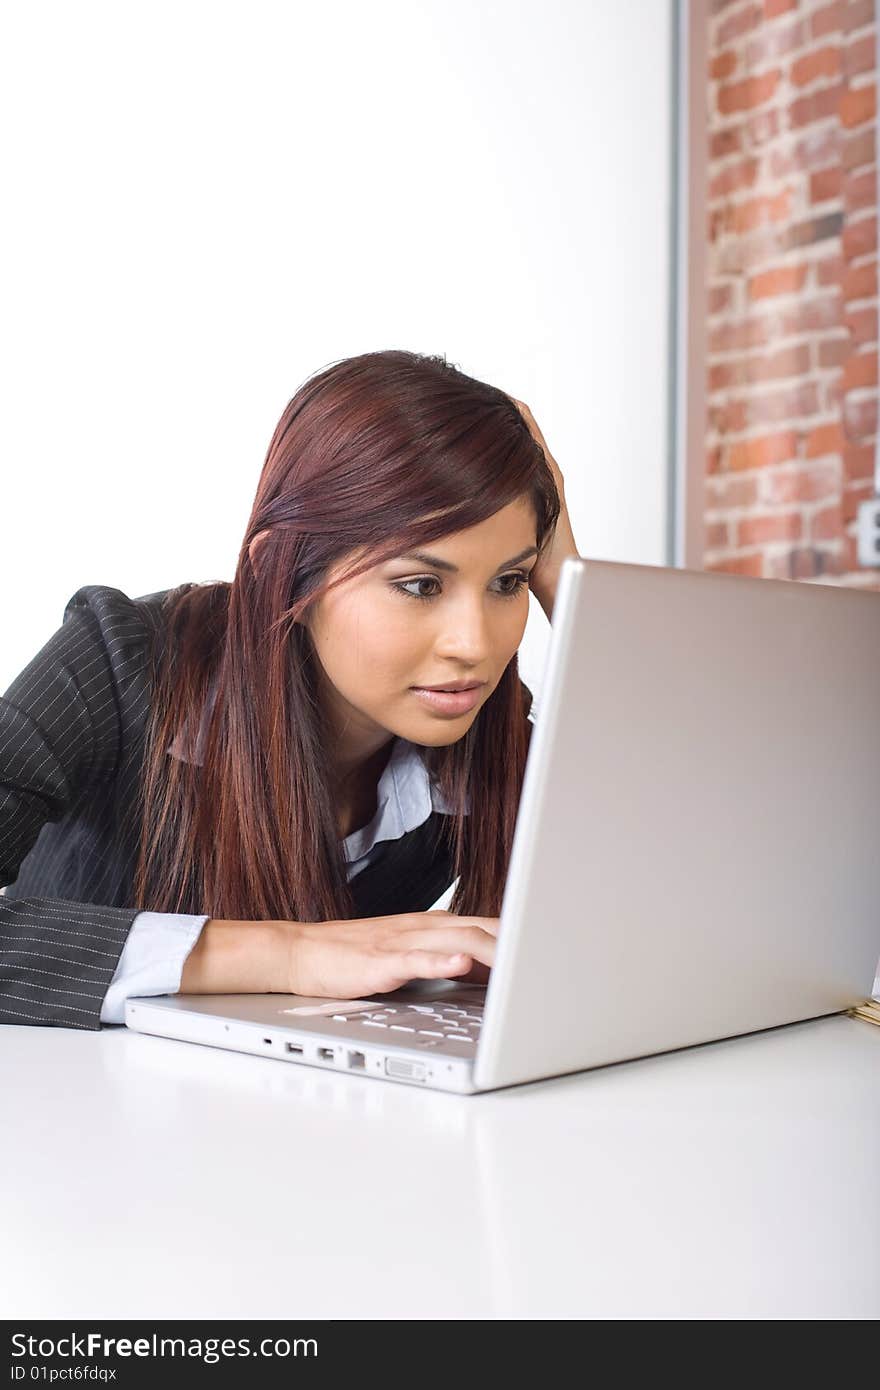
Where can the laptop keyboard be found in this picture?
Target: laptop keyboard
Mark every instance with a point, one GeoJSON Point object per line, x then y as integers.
{"type": "Point", "coordinates": [430, 1024]}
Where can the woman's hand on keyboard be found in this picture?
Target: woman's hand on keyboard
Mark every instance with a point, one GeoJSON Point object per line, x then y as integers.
{"type": "Point", "coordinates": [372, 955]}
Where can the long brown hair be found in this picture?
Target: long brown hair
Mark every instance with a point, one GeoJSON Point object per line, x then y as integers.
{"type": "Point", "coordinates": [388, 451]}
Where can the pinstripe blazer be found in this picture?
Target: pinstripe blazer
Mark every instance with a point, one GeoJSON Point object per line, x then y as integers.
{"type": "Point", "coordinates": [72, 728]}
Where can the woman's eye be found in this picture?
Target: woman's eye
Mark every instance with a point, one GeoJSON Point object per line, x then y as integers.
{"type": "Point", "coordinates": [509, 591]}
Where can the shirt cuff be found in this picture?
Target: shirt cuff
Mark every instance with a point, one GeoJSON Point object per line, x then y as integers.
{"type": "Point", "coordinates": [152, 959]}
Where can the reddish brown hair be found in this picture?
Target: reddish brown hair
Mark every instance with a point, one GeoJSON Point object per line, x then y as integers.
{"type": "Point", "coordinates": [388, 451]}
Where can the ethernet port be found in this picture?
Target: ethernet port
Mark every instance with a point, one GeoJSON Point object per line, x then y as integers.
{"type": "Point", "coordinates": [357, 1060]}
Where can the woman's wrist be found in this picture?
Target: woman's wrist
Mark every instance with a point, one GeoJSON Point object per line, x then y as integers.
{"type": "Point", "coordinates": [238, 958]}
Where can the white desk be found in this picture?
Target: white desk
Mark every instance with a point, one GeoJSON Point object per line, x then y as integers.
{"type": "Point", "coordinates": [147, 1178]}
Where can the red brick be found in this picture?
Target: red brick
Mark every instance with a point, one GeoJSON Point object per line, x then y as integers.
{"type": "Point", "coordinates": [858, 104]}
{"type": "Point", "coordinates": [739, 23]}
{"type": "Point", "coordinates": [733, 178]}
{"type": "Point", "coordinates": [860, 282]}
{"type": "Point", "coordinates": [825, 227]}
{"type": "Point", "coordinates": [852, 497]}
{"type": "Point", "coordinates": [830, 270]}
{"type": "Point", "coordinates": [763, 451]}
{"type": "Point", "coordinates": [782, 280]}
{"type": "Point", "coordinates": [775, 366]}
{"type": "Point", "coordinates": [717, 535]}
{"type": "Point", "coordinates": [858, 462]}
{"type": "Point", "coordinates": [725, 142]}
{"type": "Point", "coordinates": [828, 20]}
{"type": "Point", "coordinates": [728, 417]}
{"type": "Point", "coordinates": [780, 565]}
{"type": "Point", "coordinates": [858, 14]}
{"type": "Point", "coordinates": [720, 298]}
{"type": "Point", "coordinates": [758, 530]}
{"type": "Point", "coordinates": [833, 351]}
{"type": "Point", "coordinates": [860, 370]}
{"type": "Point", "coordinates": [722, 65]}
{"type": "Point", "coordinates": [743, 333]}
{"type": "Point", "coordinates": [762, 127]}
{"type": "Point", "coordinates": [725, 492]}
{"type": "Point", "coordinates": [772, 8]}
{"type": "Point", "coordinates": [859, 238]}
{"type": "Point", "coordinates": [799, 483]}
{"type": "Point", "coordinates": [827, 524]}
{"type": "Point", "coordinates": [862, 325]}
{"type": "Point", "coordinates": [722, 375]}
{"type": "Point", "coordinates": [831, 402]}
{"type": "Point", "coordinates": [751, 92]}
{"type": "Point", "coordinates": [860, 191]}
{"type": "Point", "coordinates": [860, 55]}
{"type": "Point", "coordinates": [774, 41]}
{"type": "Point", "coordinates": [822, 62]}
{"type": "Point", "coordinates": [756, 212]}
{"type": "Point", "coordinates": [811, 315]}
{"type": "Point", "coordinates": [738, 564]}
{"type": "Point", "coordinates": [851, 554]}
{"type": "Point", "coordinates": [817, 149]}
{"type": "Point", "coordinates": [859, 148]}
{"type": "Point", "coordinates": [753, 250]}
{"type": "Point", "coordinates": [790, 403]}
{"type": "Point", "coordinates": [824, 439]}
{"type": "Point", "coordinates": [860, 417]}
{"type": "Point", "coordinates": [816, 106]}
{"type": "Point", "coordinates": [827, 183]}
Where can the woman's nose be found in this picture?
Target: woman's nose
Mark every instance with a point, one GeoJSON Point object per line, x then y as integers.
{"type": "Point", "coordinates": [465, 633]}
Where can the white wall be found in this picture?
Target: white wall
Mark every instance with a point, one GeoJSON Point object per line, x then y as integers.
{"type": "Point", "coordinates": [206, 202]}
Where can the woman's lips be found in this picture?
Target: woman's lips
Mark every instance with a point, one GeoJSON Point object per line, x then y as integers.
{"type": "Point", "coordinates": [449, 701]}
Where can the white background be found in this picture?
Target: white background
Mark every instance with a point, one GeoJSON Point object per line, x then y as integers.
{"type": "Point", "coordinates": [206, 203]}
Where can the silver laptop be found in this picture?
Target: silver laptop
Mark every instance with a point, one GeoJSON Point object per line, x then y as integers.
{"type": "Point", "coordinates": [695, 854]}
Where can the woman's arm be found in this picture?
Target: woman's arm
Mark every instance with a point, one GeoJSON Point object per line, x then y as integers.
{"type": "Point", "coordinates": [59, 745]}
{"type": "Point", "coordinates": [238, 958]}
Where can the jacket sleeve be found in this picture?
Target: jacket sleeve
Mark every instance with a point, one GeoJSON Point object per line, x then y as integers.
{"type": "Point", "coordinates": [59, 736]}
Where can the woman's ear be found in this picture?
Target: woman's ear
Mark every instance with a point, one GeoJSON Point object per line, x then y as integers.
{"type": "Point", "coordinates": [254, 548]}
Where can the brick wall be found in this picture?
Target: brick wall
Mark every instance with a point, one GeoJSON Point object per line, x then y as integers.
{"type": "Point", "coordinates": [792, 286]}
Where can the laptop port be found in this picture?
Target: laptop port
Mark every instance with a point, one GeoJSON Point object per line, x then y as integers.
{"type": "Point", "coordinates": [357, 1060]}
{"type": "Point", "coordinates": [268, 1042]}
{"type": "Point", "coordinates": [399, 1066]}
{"type": "Point", "coordinates": [326, 1053]}
{"type": "Point", "coordinates": [293, 1047]}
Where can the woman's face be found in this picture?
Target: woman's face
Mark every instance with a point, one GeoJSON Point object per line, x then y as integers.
{"type": "Point", "coordinates": [375, 641]}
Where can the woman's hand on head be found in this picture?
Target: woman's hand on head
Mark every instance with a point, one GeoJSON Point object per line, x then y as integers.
{"type": "Point", "coordinates": [349, 959]}
{"type": "Point", "coordinates": [535, 432]}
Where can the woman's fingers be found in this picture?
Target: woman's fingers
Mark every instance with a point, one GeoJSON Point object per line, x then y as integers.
{"type": "Point", "coordinates": [474, 941]}
{"type": "Point", "coordinates": [489, 924]}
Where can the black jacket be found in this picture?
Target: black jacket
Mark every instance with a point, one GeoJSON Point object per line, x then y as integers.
{"type": "Point", "coordinates": [72, 728]}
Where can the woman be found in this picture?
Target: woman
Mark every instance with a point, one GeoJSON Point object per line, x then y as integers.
{"type": "Point", "coordinates": [245, 786]}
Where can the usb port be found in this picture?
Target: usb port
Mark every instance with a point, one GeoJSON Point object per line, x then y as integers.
{"type": "Point", "coordinates": [293, 1047]}
{"type": "Point", "coordinates": [326, 1053]}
